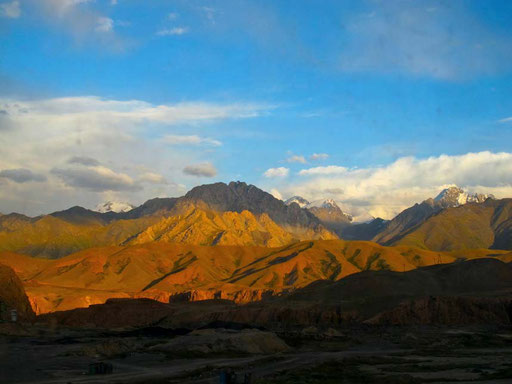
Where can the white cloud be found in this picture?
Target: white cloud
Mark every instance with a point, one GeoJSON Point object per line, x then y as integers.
{"type": "Point", "coordinates": [11, 10]}
{"type": "Point", "coordinates": [79, 132]}
{"type": "Point", "coordinates": [104, 24]}
{"type": "Point", "coordinates": [387, 190]}
{"type": "Point", "coordinates": [21, 175]}
{"type": "Point", "coordinates": [172, 16]}
{"type": "Point", "coordinates": [318, 156]}
{"type": "Point", "coordinates": [276, 172]}
{"type": "Point", "coordinates": [274, 192]}
{"type": "Point", "coordinates": [296, 159]}
{"type": "Point", "coordinates": [189, 140]}
{"type": "Point", "coordinates": [200, 170]}
{"type": "Point", "coordinates": [328, 170]}
{"type": "Point", "coordinates": [83, 160]}
{"type": "Point", "coordinates": [152, 178]}
{"type": "Point", "coordinates": [97, 179]}
{"type": "Point", "coordinates": [90, 108]}
{"type": "Point", "coordinates": [505, 120]}
{"type": "Point", "coordinates": [176, 31]}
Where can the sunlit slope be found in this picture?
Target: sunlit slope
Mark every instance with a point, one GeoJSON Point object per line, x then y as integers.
{"type": "Point", "coordinates": [243, 273]}
{"type": "Point", "coordinates": [26, 267]}
{"type": "Point", "coordinates": [53, 237]}
{"type": "Point", "coordinates": [200, 227]}
{"type": "Point", "coordinates": [471, 226]}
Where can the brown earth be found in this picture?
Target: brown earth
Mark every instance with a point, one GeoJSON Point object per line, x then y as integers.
{"type": "Point", "coordinates": [165, 271]}
{"type": "Point", "coordinates": [450, 294]}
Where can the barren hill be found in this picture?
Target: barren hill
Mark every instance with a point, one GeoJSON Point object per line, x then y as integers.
{"type": "Point", "coordinates": [165, 271]}
{"type": "Point", "coordinates": [227, 214]}
{"type": "Point", "coordinates": [456, 294]}
{"type": "Point", "coordinates": [485, 225]}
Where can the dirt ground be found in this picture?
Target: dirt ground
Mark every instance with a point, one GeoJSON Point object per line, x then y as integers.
{"type": "Point", "coordinates": [358, 354]}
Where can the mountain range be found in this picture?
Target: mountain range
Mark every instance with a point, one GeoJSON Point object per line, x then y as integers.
{"type": "Point", "coordinates": [244, 215]}
{"type": "Point", "coordinates": [235, 241]}
{"type": "Point", "coordinates": [231, 214]}
{"type": "Point", "coordinates": [454, 219]}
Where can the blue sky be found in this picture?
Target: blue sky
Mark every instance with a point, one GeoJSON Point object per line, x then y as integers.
{"type": "Point", "coordinates": [167, 94]}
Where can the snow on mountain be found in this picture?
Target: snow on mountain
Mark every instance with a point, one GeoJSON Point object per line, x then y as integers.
{"type": "Point", "coordinates": [455, 196]}
{"type": "Point", "coordinates": [328, 211]}
{"type": "Point", "coordinates": [302, 202]}
{"type": "Point", "coordinates": [114, 206]}
{"type": "Point", "coordinates": [327, 203]}
{"type": "Point", "coordinates": [324, 208]}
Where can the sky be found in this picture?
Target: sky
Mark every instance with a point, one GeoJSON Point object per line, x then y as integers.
{"type": "Point", "coordinates": [376, 104]}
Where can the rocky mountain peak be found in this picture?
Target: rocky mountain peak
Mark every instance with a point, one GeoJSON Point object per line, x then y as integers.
{"type": "Point", "coordinates": [327, 204]}
{"type": "Point", "coordinates": [455, 196]}
{"type": "Point", "coordinates": [239, 196]}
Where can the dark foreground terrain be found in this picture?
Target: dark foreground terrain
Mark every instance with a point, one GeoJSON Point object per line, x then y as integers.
{"type": "Point", "coordinates": [439, 324]}
{"type": "Point", "coordinates": [353, 354]}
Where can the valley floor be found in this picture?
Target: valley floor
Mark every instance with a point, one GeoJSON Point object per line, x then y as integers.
{"type": "Point", "coordinates": [356, 354]}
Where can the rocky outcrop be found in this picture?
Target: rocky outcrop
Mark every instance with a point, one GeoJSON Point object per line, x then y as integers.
{"type": "Point", "coordinates": [136, 313]}
{"type": "Point", "coordinates": [12, 296]}
{"type": "Point", "coordinates": [115, 313]}
{"type": "Point", "coordinates": [240, 296]}
{"type": "Point", "coordinates": [439, 310]}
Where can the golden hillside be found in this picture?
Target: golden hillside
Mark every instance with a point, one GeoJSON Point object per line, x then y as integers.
{"type": "Point", "coordinates": [51, 236]}
{"type": "Point", "coordinates": [161, 270]}
{"type": "Point", "coordinates": [200, 227]}
{"type": "Point", "coordinates": [471, 226]}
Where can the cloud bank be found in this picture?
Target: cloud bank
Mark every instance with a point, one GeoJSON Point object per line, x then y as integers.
{"type": "Point", "coordinates": [85, 150]}
{"type": "Point", "coordinates": [21, 175]}
{"type": "Point", "coordinates": [276, 172]}
{"type": "Point", "coordinates": [385, 191]}
{"type": "Point", "coordinates": [190, 140]}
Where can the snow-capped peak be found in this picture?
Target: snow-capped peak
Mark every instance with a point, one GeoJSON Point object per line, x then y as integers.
{"type": "Point", "coordinates": [114, 206]}
{"type": "Point", "coordinates": [327, 203]}
{"type": "Point", "coordinates": [455, 196]}
{"type": "Point", "coordinates": [302, 202]}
